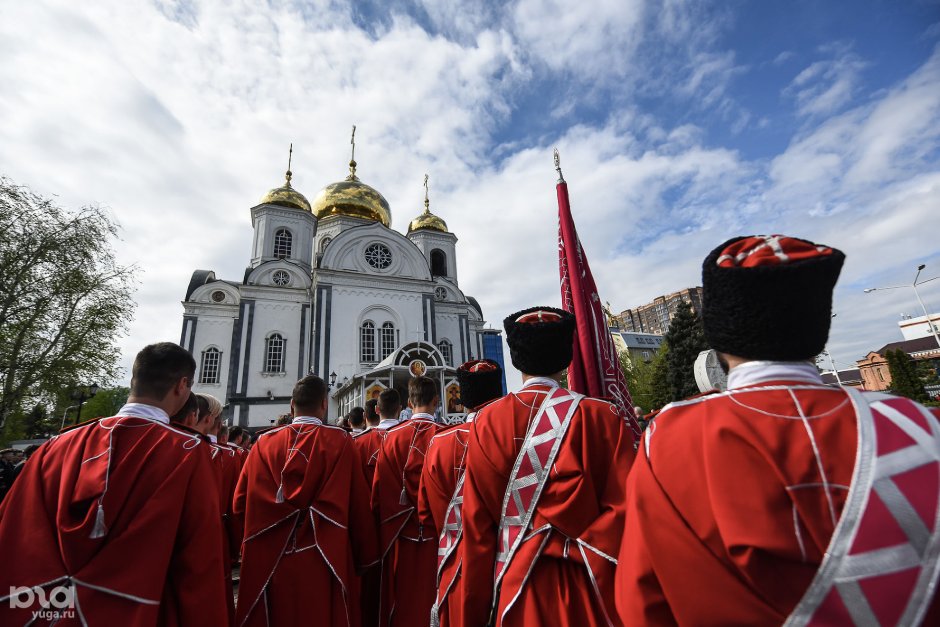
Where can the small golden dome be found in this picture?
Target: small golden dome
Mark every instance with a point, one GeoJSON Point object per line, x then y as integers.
{"type": "Point", "coordinates": [427, 220]}
{"type": "Point", "coordinates": [286, 196]}
{"type": "Point", "coordinates": [352, 198]}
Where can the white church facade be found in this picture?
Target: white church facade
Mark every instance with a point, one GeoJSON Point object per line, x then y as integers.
{"type": "Point", "coordinates": [332, 289]}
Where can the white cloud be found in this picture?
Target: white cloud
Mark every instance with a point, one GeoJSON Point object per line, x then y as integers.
{"type": "Point", "coordinates": [177, 115]}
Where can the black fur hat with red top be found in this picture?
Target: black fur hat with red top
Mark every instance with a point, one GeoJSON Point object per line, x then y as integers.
{"type": "Point", "coordinates": [769, 297]}
{"type": "Point", "coordinates": [540, 339]}
{"type": "Point", "coordinates": [480, 380]}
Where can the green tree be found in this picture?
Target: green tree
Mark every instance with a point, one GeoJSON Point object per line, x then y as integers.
{"type": "Point", "coordinates": [647, 380]}
{"type": "Point", "coordinates": [905, 380]}
{"type": "Point", "coordinates": [64, 299]}
{"type": "Point", "coordinates": [107, 402]}
{"type": "Point", "coordinates": [686, 340]}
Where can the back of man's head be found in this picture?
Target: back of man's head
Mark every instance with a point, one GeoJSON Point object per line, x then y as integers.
{"type": "Point", "coordinates": [188, 415]}
{"type": "Point", "coordinates": [309, 394]}
{"type": "Point", "coordinates": [372, 413]}
{"type": "Point", "coordinates": [158, 367]}
{"type": "Point", "coordinates": [357, 418]}
{"type": "Point", "coordinates": [389, 404]}
{"type": "Point", "coordinates": [235, 435]}
{"type": "Point", "coordinates": [422, 391]}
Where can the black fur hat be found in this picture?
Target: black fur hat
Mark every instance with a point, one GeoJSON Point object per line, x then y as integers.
{"type": "Point", "coordinates": [769, 297]}
{"type": "Point", "coordinates": [541, 340]}
{"type": "Point", "coordinates": [481, 380]}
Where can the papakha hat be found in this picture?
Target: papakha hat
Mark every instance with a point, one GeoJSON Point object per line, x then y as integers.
{"type": "Point", "coordinates": [769, 297]}
{"type": "Point", "coordinates": [480, 380]}
{"type": "Point", "coordinates": [541, 340]}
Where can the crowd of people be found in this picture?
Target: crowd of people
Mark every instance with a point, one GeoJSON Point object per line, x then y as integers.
{"type": "Point", "coordinates": [782, 500]}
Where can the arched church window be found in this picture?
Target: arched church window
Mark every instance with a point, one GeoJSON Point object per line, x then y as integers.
{"type": "Point", "coordinates": [324, 243]}
{"type": "Point", "coordinates": [282, 243]}
{"type": "Point", "coordinates": [367, 342]}
{"type": "Point", "coordinates": [447, 351]}
{"type": "Point", "coordinates": [387, 339]}
{"type": "Point", "coordinates": [274, 353]}
{"type": "Point", "coordinates": [438, 262]}
{"type": "Point", "coordinates": [209, 369]}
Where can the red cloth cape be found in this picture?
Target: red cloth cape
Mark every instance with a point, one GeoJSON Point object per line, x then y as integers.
{"type": "Point", "coordinates": [409, 551]}
{"type": "Point", "coordinates": [583, 500]}
{"type": "Point", "coordinates": [367, 446]}
{"type": "Point", "coordinates": [731, 506]}
{"type": "Point", "coordinates": [443, 465]}
{"type": "Point", "coordinates": [299, 556]}
{"type": "Point", "coordinates": [161, 510]}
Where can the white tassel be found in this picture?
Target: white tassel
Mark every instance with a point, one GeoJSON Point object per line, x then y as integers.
{"type": "Point", "coordinates": [403, 499]}
{"type": "Point", "coordinates": [100, 530]}
{"type": "Point", "coordinates": [280, 494]}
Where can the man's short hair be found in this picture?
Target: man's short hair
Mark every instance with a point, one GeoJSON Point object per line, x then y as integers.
{"type": "Point", "coordinates": [283, 419]}
{"type": "Point", "coordinates": [158, 367]}
{"type": "Point", "coordinates": [203, 405]}
{"type": "Point", "coordinates": [308, 394]}
{"type": "Point", "coordinates": [191, 405]}
{"type": "Point", "coordinates": [421, 391]}
{"type": "Point", "coordinates": [234, 433]}
{"type": "Point", "coordinates": [372, 413]}
{"type": "Point", "coordinates": [357, 417]}
{"type": "Point", "coordinates": [389, 403]}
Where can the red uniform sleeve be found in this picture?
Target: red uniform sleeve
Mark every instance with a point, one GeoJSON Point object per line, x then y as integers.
{"type": "Point", "coordinates": [196, 568]}
{"type": "Point", "coordinates": [639, 594]}
{"type": "Point", "coordinates": [433, 495]}
{"type": "Point", "coordinates": [484, 488]}
{"type": "Point", "coordinates": [362, 530]}
{"type": "Point", "coordinates": [387, 485]}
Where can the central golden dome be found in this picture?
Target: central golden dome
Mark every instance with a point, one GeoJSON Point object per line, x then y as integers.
{"type": "Point", "coordinates": [352, 198]}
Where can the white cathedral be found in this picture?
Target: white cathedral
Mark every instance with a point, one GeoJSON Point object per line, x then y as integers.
{"type": "Point", "coordinates": [333, 290]}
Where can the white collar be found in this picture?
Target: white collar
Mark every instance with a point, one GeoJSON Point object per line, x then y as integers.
{"type": "Point", "coordinates": [356, 431]}
{"type": "Point", "coordinates": [213, 438]}
{"type": "Point", "coordinates": [306, 420]}
{"type": "Point", "coordinates": [754, 372]}
{"type": "Point", "coordinates": [540, 381]}
{"type": "Point", "coordinates": [471, 416]}
{"type": "Point", "coordinates": [387, 423]}
{"type": "Point", "coordinates": [142, 410]}
{"type": "Point", "coordinates": [422, 416]}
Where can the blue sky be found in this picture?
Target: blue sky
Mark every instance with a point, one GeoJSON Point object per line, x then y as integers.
{"type": "Point", "coordinates": [680, 123]}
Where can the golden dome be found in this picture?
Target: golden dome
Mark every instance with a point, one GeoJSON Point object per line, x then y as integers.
{"type": "Point", "coordinates": [352, 198]}
{"type": "Point", "coordinates": [286, 196]}
{"type": "Point", "coordinates": [428, 220]}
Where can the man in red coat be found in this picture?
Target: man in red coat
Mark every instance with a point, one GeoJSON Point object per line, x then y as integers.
{"type": "Point", "coordinates": [409, 548]}
{"type": "Point", "coordinates": [110, 522]}
{"type": "Point", "coordinates": [308, 527]}
{"type": "Point", "coordinates": [781, 499]}
{"type": "Point", "coordinates": [368, 444]}
{"type": "Point", "coordinates": [543, 491]}
{"type": "Point", "coordinates": [441, 496]}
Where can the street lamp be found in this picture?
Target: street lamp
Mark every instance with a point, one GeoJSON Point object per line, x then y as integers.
{"type": "Point", "coordinates": [832, 362]}
{"type": "Point", "coordinates": [930, 326]}
{"type": "Point", "coordinates": [81, 394]}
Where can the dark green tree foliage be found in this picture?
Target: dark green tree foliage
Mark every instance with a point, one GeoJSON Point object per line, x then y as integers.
{"type": "Point", "coordinates": [686, 340]}
{"type": "Point", "coordinates": [107, 402]}
{"type": "Point", "coordinates": [64, 300]}
{"type": "Point", "coordinates": [905, 380]}
{"type": "Point", "coordinates": [648, 380]}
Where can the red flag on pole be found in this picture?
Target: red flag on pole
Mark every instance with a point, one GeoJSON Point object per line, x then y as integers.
{"type": "Point", "coordinates": [595, 367]}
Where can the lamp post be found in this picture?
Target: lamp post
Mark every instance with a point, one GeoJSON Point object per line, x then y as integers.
{"type": "Point", "coordinates": [832, 362]}
{"type": "Point", "coordinates": [920, 268]}
{"type": "Point", "coordinates": [81, 394]}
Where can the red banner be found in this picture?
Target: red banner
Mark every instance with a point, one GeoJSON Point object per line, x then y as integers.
{"type": "Point", "coordinates": [595, 368]}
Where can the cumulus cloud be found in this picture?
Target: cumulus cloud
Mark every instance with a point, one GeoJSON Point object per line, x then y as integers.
{"type": "Point", "coordinates": [178, 114]}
